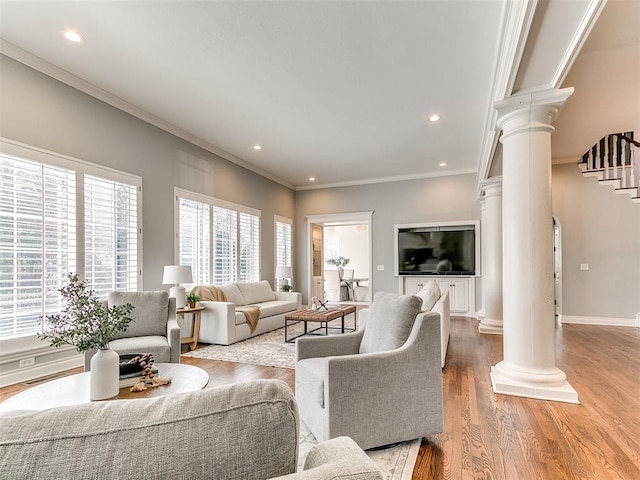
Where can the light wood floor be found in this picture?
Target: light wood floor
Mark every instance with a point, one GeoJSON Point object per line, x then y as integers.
{"type": "Point", "coordinates": [489, 436]}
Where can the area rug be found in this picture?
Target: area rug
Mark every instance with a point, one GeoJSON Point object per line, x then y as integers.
{"type": "Point", "coordinates": [268, 349]}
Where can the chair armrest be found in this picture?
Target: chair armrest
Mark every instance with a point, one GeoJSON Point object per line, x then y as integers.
{"type": "Point", "coordinates": [338, 458]}
{"type": "Point", "coordinates": [443, 308]}
{"type": "Point", "coordinates": [173, 332]}
{"type": "Point", "coordinates": [331, 345]}
{"type": "Point", "coordinates": [290, 296]}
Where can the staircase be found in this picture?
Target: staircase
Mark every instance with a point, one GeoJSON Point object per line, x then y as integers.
{"type": "Point", "coordinates": [614, 160]}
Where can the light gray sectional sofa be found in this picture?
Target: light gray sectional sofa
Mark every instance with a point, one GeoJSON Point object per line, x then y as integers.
{"type": "Point", "coordinates": [222, 324]}
{"type": "Point", "coordinates": [246, 431]}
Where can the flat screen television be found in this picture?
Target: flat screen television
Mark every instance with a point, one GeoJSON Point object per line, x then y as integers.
{"type": "Point", "coordinates": [440, 250]}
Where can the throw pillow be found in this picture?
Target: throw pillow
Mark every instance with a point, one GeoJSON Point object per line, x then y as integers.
{"type": "Point", "coordinates": [150, 312]}
{"type": "Point", "coordinates": [390, 322]}
{"type": "Point", "coordinates": [429, 295]}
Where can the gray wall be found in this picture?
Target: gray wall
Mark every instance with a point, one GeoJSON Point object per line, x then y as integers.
{"type": "Point", "coordinates": [440, 199]}
{"type": "Point", "coordinates": [601, 228]}
{"type": "Point", "coordinates": [40, 111]}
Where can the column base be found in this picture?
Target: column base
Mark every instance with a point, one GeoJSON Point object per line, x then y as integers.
{"type": "Point", "coordinates": [490, 326]}
{"type": "Point", "coordinates": [521, 388]}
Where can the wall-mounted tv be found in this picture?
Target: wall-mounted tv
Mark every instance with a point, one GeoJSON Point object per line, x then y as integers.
{"type": "Point", "coordinates": [436, 250]}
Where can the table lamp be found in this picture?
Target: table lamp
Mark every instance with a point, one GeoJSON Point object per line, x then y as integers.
{"type": "Point", "coordinates": [284, 273]}
{"type": "Point", "coordinates": [177, 274]}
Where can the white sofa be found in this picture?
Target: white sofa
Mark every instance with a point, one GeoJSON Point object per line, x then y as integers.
{"type": "Point", "coordinates": [441, 306]}
{"type": "Point", "coordinates": [221, 324]}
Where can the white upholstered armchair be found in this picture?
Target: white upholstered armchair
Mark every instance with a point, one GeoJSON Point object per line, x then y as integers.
{"type": "Point", "coordinates": [379, 385]}
{"type": "Point", "coordinates": [154, 328]}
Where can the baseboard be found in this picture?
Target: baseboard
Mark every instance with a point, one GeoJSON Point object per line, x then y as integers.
{"type": "Point", "coordinates": [603, 321]}
{"type": "Point", "coordinates": [26, 374]}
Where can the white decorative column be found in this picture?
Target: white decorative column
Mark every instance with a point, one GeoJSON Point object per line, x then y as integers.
{"type": "Point", "coordinates": [480, 313]}
{"type": "Point", "coordinates": [491, 237]}
{"type": "Point", "coordinates": [528, 368]}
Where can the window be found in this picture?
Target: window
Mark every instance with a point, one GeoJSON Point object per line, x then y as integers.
{"type": "Point", "coordinates": [219, 240]}
{"type": "Point", "coordinates": [283, 245]}
{"type": "Point", "coordinates": [195, 228]}
{"type": "Point", "coordinates": [40, 220]}
{"type": "Point", "coordinates": [110, 235]}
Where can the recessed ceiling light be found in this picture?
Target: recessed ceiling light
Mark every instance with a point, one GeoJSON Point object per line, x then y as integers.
{"type": "Point", "coordinates": [257, 147]}
{"type": "Point", "coordinates": [435, 117]}
{"type": "Point", "coordinates": [443, 164]}
{"type": "Point", "coordinates": [312, 179]}
{"type": "Point", "coordinates": [73, 36]}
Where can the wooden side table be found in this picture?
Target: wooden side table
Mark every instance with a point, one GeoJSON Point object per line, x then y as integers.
{"type": "Point", "coordinates": [192, 341]}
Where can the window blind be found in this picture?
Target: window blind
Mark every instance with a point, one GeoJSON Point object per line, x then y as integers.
{"type": "Point", "coordinates": [37, 241]}
{"type": "Point", "coordinates": [111, 235]}
{"type": "Point", "coordinates": [283, 247]}
{"type": "Point", "coordinates": [194, 225]}
{"type": "Point", "coordinates": [225, 231]}
{"type": "Point", "coordinates": [249, 247]}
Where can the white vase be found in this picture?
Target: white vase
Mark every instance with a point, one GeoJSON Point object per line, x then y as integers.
{"type": "Point", "coordinates": [105, 374]}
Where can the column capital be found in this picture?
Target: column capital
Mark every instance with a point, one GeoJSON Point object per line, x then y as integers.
{"type": "Point", "coordinates": [530, 111]}
{"type": "Point", "coordinates": [491, 187]}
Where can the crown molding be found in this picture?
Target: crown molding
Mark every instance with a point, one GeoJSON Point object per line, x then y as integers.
{"type": "Point", "coordinates": [516, 23]}
{"type": "Point", "coordinates": [399, 178]}
{"type": "Point", "coordinates": [37, 63]}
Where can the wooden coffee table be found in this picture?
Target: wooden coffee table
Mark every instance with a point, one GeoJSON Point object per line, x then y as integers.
{"type": "Point", "coordinates": [74, 389]}
{"type": "Point", "coordinates": [318, 316]}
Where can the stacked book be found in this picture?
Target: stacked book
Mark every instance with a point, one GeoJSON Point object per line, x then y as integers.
{"type": "Point", "coordinates": [130, 379]}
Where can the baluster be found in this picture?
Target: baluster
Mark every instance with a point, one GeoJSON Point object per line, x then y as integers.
{"type": "Point", "coordinates": [634, 169]}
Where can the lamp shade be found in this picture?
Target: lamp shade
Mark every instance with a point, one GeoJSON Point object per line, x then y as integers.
{"type": "Point", "coordinates": [176, 274]}
{"type": "Point", "coordinates": [283, 272]}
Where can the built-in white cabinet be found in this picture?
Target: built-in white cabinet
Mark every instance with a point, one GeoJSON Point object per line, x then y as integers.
{"type": "Point", "coordinates": [462, 292]}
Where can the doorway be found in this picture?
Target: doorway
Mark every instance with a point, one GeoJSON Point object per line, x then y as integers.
{"type": "Point", "coordinates": [329, 237]}
{"type": "Point", "coordinates": [557, 269]}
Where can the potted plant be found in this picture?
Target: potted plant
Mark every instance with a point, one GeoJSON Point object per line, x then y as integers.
{"type": "Point", "coordinates": [192, 299]}
{"type": "Point", "coordinates": [338, 262]}
{"type": "Point", "coordinates": [87, 323]}
{"type": "Point", "coordinates": [285, 287]}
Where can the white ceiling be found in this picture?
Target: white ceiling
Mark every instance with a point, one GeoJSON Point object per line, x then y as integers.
{"type": "Point", "coordinates": [337, 90]}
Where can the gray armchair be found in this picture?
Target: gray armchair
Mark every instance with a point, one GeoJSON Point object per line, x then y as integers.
{"type": "Point", "coordinates": [379, 385]}
{"type": "Point", "coordinates": [154, 328]}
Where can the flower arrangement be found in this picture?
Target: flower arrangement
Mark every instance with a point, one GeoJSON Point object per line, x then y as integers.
{"type": "Point", "coordinates": [85, 322]}
{"type": "Point", "coordinates": [338, 261]}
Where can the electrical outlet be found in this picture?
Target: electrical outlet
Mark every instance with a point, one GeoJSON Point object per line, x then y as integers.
{"type": "Point", "coordinates": [584, 266]}
{"type": "Point", "coordinates": [380, 267]}
{"type": "Point", "coordinates": [27, 362]}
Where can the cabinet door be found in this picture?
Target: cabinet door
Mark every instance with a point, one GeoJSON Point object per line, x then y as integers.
{"type": "Point", "coordinates": [413, 285]}
{"type": "Point", "coordinates": [459, 294]}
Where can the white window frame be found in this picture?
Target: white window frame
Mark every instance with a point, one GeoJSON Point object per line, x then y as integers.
{"type": "Point", "coordinates": [9, 147]}
{"type": "Point", "coordinates": [215, 202]}
{"type": "Point", "coordinates": [284, 220]}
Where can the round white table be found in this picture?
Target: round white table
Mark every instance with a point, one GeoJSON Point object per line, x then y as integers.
{"type": "Point", "coordinates": [74, 389]}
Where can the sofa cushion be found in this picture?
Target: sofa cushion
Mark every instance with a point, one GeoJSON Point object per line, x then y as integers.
{"type": "Point", "coordinates": [233, 294]}
{"type": "Point", "coordinates": [152, 344]}
{"type": "Point", "coordinates": [150, 312]}
{"type": "Point", "coordinates": [429, 295]}
{"type": "Point", "coordinates": [276, 307]}
{"type": "Point", "coordinates": [311, 373]}
{"type": "Point", "coordinates": [256, 292]}
{"type": "Point", "coordinates": [390, 322]}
